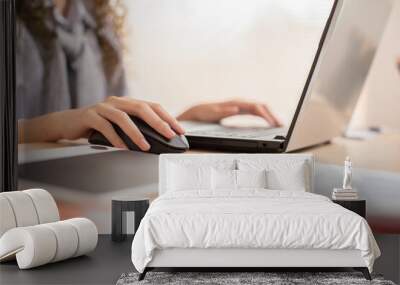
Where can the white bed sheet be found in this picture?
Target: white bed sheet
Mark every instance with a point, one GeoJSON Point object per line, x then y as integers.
{"type": "Point", "coordinates": [250, 218]}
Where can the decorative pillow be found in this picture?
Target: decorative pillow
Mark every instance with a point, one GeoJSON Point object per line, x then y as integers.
{"type": "Point", "coordinates": [182, 177]}
{"type": "Point", "coordinates": [223, 179]}
{"type": "Point", "coordinates": [281, 174]}
{"type": "Point", "coordinates": [251, 178]}
{"type": "Point", "coordinates": [292, 179]}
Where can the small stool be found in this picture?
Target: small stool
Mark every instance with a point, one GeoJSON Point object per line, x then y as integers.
{"type": "Point", "coordinates": [120, 209]}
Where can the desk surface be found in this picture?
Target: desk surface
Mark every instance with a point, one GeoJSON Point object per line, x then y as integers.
{"type": "Point", "coordinates": [378, 153]}
{"type": "Point", "coordinates": [102, 266]}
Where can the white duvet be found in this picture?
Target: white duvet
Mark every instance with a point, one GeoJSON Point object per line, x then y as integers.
{"type": "Point", "coordinates": [250, 219]}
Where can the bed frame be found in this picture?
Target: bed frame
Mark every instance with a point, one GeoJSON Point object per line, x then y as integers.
{"type": "Point", "coordinates": [250, 259]}
{"type": "Point", "coordinates": [234, 259]}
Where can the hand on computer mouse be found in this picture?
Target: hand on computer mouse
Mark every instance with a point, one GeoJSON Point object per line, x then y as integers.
{"type": "Point", "coordinates": [215, 112]}
{"type": "Point", "coordinates": [117, 111]}
{"type": "Point", "coordinates": [77, 123]}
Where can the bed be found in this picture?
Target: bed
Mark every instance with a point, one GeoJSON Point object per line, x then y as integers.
{"type": "Point", "coordinates": [247, 211]}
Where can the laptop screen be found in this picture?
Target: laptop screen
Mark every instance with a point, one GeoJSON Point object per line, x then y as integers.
{"type": "Point", "coordinates": [341, 71]}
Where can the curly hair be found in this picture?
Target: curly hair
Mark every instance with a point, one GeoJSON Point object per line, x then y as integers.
{"type": "Point", "coordinates": [107, 14]}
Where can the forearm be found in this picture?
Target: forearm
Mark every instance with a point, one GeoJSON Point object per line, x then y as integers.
{"type": "Point", "coordinates": [46, 128]}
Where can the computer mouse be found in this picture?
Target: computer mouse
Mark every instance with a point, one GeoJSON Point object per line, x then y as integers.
{"type": "Point", "coordinates": [158, 143]}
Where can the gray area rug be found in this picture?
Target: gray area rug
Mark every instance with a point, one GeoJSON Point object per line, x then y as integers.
{"type": "Point", "coordinates": [273, 278]}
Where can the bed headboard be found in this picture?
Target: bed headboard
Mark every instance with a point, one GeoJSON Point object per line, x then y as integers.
{"type": "Point", "coordinates": [213, 159]}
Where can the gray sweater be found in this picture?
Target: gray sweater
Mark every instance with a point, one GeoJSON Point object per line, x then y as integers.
{"type": "Point", "coordinates": [74, 77]}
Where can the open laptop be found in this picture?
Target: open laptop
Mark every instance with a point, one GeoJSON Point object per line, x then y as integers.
{"type": "Point", "coordinates": [341, 64]}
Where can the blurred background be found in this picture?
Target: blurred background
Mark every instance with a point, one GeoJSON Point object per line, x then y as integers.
{"type": "Point", "coordinates": [179, 53]}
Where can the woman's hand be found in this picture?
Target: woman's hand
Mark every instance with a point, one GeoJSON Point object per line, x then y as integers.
{"type": "Point", "coordinates": [78, 123]}
{"type": "Point", "coordinates": [215, 112]}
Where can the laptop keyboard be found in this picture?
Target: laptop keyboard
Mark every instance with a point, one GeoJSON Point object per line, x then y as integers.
{"type": "Point", "coordinates": [247, 133]}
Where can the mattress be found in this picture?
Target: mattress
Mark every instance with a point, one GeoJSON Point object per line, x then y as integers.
{"type": "Point", "coordinates": [251, 219]}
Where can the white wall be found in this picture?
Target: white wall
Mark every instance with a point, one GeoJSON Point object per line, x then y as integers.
{"type": "Point", "coordinates": [380, 102]}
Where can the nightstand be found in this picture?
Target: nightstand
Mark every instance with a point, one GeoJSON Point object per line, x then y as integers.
{"type": "Point", "coordinates": [122, 210]}
{"type": "Point", "coordinates": [356, 206]}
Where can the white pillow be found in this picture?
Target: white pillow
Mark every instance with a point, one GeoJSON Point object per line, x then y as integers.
{"type": "Point", "coordinates": [223, 179]}
{"type": "Point", "coordinates": [281, 174]}
{"type": "Point", "coordinates": [182, 177]}
{"type": "Point", "coordinates": [292, 179]}
{"type": "Point", "coordinates": [251, 178]}
{"type": "Point", "coordinates": [226, 179]}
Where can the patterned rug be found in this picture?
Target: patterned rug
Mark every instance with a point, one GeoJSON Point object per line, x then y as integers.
{"type": "Point", "coordinates": [243, 278]}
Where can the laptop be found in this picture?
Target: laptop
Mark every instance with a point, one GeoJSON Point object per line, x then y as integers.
{"type": "Point", "coordinates": [347, 47]}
